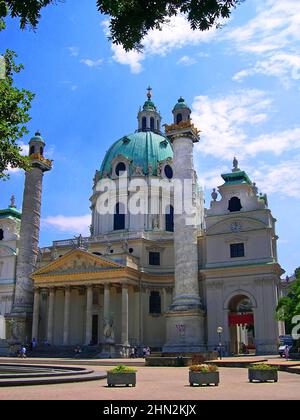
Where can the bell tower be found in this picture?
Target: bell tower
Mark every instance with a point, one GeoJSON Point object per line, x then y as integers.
{"type": "Point", "coordinates": [19, 321]}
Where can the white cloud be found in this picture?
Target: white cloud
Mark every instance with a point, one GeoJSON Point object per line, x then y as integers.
{"type": "Point", "coordinates": [281, 179]}
{"type": "Point", "coordinates": [92, 63]}
{"type": "Point", "coordinates": [284, 66]}
{"type": "Point", "coordinates": [274, 35]}
{"type": "Point", "coordinates": [186, 61]}
{"type": "Point", "coordinates": [175, 34]}
{"type": "Point", "coordinates": [74, 51]}
{"type": "Point", "coordinates": [24, 152]}
{"type": "Point", "coordinates": [132, 59]}
{"type": "Point", "coordinates": [275, 143]}
{"type": "Point", "coordinates": [223, 121]}
{"type": "Point", "coordinates": [76, 224]}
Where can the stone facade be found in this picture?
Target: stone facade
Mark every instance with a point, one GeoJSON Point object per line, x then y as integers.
{"type": "Point", "coordinates": [168, 282]}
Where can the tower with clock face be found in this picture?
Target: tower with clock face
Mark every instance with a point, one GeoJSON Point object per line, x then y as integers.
{"type": "Point", "coordinates": [241, 274]}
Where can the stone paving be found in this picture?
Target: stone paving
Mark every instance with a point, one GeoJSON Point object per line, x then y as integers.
{"type": "Point", "coordinates": [165, 384]}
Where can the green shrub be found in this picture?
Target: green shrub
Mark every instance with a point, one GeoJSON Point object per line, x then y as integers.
{"type": "Point", "coordinates": [122, 369]}
{"type": "Point", "coordinates": [262, 366]}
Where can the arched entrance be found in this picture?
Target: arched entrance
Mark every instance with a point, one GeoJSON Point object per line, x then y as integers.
{"type": "Point", "coordinates": [241, 325]}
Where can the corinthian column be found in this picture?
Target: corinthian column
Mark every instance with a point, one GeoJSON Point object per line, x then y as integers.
{"type": "Point", "coordinates": [89, 315]}
{"type": "Point", "coordinates": [125, 341]}
{"type": "Point", "coordinates": [50, 316]}
{"type": "Point", "coordinates": [67, 315]}
{"type": "Point", "coordinates": [36, 314]}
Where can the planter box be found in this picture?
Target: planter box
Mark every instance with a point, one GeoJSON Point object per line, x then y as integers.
{"type": "Point", "coordinates": [204, 378]}
{"type": "Point", "coordinates": [126, 379]}
{"type": "Point", "coordinates": [263, 375]}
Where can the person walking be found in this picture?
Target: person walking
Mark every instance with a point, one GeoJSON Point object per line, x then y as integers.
{"type": "Point", "coordinates": [287, 352]}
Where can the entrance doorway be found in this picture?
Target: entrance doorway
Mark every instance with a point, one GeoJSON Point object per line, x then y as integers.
{"type": "Point", "coordinates": [241, 325]}
{"type": "Point", "coordinates": [95, 335]}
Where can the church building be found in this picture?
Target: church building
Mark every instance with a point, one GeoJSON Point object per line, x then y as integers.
{"type": "Point", "coordinates": [156, 277]}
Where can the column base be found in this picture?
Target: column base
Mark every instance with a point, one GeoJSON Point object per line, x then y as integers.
{"type": "Point", "coordinates": [185, 332]}
{"type": "Point", "coordinates": [19, 328]}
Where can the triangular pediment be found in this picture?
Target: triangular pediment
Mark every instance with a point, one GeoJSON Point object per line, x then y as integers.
{"type": "Point", "coordinates": [77, 261]}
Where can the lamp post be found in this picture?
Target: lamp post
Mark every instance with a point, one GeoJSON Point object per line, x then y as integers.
{"type": "Point", "coordinates": [220, 331]}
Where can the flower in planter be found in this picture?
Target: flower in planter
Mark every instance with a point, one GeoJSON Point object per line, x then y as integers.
{"type": "Point", "coordinates": [204, 368]}
{"type": "Point", "coordinates": [262, 366]}
{"type": "Point", "coordinates": [122, 369]}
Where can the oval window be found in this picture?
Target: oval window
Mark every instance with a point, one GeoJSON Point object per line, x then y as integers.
{"type": "Point", "coordinates": [120, 169]}
{"type": "Point", "coordinates": [168, 172]}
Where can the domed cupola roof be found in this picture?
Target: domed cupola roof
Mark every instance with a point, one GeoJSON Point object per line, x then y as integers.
{"type": "Point", "coordinates": [37, 138]}
{"type": "Point", "coordinates": [142, 152]}
{"type": "Point", "coordinates": [181, 104]}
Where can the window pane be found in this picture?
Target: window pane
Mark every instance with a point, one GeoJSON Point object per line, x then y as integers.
{"type": "Point", "coordinates": [237, 250]}
{"type": "Point", "coordinates": [154, 258]}
{"type": "Point", "coordinates": [155, 303]}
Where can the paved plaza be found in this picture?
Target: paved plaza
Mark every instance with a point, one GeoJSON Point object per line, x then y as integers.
{"type": "Point", "coordinates": [163, 384]}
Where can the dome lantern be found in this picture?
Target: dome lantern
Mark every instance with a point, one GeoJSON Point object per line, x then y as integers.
{"type": "Point", "coordinates": [148, 117]}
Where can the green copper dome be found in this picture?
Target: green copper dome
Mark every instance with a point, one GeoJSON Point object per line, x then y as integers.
{"type": "Point", "coordinates": [149, 106]}
{"type": "Point", "coordinates": [144, 150]}
{"type": "Point", "coordinates": [181, 104]}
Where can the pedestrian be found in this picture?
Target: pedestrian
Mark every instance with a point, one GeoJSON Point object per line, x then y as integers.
{"type": "Point", "coordinates": [287, 352]}
{"type": "Point", "coordinates": [33, 344]}
{"type": "Point", "coordinates": [23, 352]}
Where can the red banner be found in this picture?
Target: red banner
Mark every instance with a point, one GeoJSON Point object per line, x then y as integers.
{"type": "Point", "coordinates": [245, 319]}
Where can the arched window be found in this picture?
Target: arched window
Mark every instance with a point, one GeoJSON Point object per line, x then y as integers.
{"type": "Point", "coordinates": [170, 220]}
{"type": "Point", "coordinates": [1, 235]}
{"type": "Point", "coordinates": [31, 150]}
{"type": "Point", "coordinates": [152, 124]}
{"type": "Point", "coordinates": [179, 118]}
{"type": "Point", "coordinates": [119, 217]}
{"type": "Point", "coordinates": [157, 125]}
{"type": "Point", "coordinates": [169, 172]}
{"type": "Point", "coordinates": [235, 204]}
{"type": "Point", "coordinates": [144, 123]}
{"type": "Point", "coordinates": [41, 151]}
{"type": "Point", "coordinates": [120, 169]}
{"type": "Point", "coordinates": [155, 303]}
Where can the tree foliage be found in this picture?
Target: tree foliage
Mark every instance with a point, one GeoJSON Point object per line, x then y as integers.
{"type": "Point", "coordinates": [14, 114]}
{"type": "Point", "coordinates": [131, 20]}
{"type": "Point", "coordinates": [28, 11]}
{"type": "Point", "coordinates": [289, 306]}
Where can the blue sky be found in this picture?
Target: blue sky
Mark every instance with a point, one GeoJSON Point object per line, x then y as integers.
{"type": "Point", "coordinates": [242, 82]}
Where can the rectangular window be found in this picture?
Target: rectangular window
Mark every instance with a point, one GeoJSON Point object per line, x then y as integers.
{"type": "Point", "coordinates": [237, 250]}
{"type": "Point", "coordinates": [154, 258]}
{"type": "Point", "coordinates": [155, 303]}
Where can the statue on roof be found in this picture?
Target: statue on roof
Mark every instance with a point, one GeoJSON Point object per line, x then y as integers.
{"type": "Point", "coordinates": [235, 165]}
{"type": "Point", "coordinates": [12, 202]}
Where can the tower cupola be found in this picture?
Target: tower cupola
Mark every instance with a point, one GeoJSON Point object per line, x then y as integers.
{"type": "Point", "coordinates": [148, 117]}
{"type": "Point", "coordinates": [181, 111]}
{"type": "Point", "coordinates": [36, 145]}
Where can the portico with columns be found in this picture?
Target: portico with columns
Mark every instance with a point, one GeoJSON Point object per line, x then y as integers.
{"type": "Point", "coordinates": [84, 299]}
